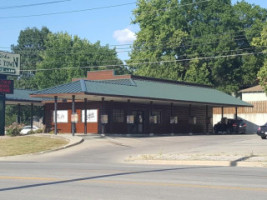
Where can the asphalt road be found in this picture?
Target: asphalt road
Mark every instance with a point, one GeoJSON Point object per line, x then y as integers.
{"type": "Point", "coordinates": [95, 170]}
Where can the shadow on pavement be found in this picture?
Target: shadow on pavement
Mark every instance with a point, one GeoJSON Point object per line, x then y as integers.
{"type": "Point", "coordinates": [234, 162]}
{"type": "Point", "coordinates": [94, 177]}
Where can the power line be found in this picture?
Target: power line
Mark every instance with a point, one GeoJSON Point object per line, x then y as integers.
{"type": "Point", "coordinates": [31, 5]}
{"type": "Point", "coordinates": [144, 48]}
{"type": "Point", "coordinates": [101, 53]}
{"type": "Point", "coordinates": [235, 38]}
{"type": "Point", "coordinates": [229, 33]}
{"type": "Point", "coordinates": [90, 9]}
{"type": "Point", "coordinates": [180, 5]}
{"type": "Point", "coordinates": [142, 63]}
{"type": "Point", "coordinates": [68, 12]}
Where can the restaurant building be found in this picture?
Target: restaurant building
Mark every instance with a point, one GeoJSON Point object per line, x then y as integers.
{"type": "Point", "coordinates": [127, 104]}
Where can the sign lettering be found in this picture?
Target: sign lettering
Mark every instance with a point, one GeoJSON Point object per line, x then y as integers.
{"type": "Point", "coordinates": [9, 63]}
{"type": "Point", "coordinates": [6, 86]}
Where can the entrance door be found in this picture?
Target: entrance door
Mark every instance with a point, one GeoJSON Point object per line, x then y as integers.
{"type": "Point", "coordinates": [138, 122]}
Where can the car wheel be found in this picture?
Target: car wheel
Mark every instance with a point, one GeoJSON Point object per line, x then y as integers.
{"type": "Point", "coordinates": [263, 137]}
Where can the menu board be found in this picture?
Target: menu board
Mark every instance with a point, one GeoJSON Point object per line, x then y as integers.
{"type": "Point", "coordinates": [130, 119]}
{"type": "Point", "coordinates": [91, 116]}
{"type": "Point", "coordinates": [7, 86]}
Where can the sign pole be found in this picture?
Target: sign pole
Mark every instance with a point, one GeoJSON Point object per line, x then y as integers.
{"type": "Point", "coordinates": [2, 109]}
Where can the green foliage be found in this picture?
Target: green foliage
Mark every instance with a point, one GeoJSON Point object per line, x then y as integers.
{"type": "Point", "coordinates": [262, 41]}
{"type": "Point", "coordinates": [65, 58]}
{"type": "Point", "coordinates": [12, 114]}
{"type": "Point", "coordinates": [14, 129]}
{"type": "Point", "coordinates": [262, 75]}
{"type": "Point", "coordinates": [11, 117]}
{"type": "Point", "coordinates": [41, 49]}
{"type": "Point", "coordinates": [39, 131]}
{"type": "Point", "coordinates": [31, 42]}
{"type": "Point", "coordinates": [186, 41]}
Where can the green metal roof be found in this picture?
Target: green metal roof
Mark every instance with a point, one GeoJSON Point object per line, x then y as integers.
{"type": "Point", "coordinates": [69, 88]}
{"type": "Point", "coordinates": [20, 96]}
{"type": "Point", "coordinates": [146, 88]}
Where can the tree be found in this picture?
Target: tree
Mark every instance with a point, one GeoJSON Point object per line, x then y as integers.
{"type": "Point", "coordinates": [262, 41]}
{"type": "Point", "coordinates": [197, 41]}
{"type": "Point", "coordinates": [252, 18]}
{"type": "Point", "coordinates": [30, 44]}
{"type": "Point", "coordinates": [67, 57]}
{"type": "Point", "coordinates": [160, 35]}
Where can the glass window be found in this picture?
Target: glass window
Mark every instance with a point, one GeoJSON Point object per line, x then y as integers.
{"type": "Point", "coordinates": [155, 117]}
{"type": "Point", "coordinates": [118, 115]}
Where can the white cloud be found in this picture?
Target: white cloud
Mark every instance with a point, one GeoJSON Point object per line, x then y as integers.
{"type": "Point", "coordinates": [124, 36]}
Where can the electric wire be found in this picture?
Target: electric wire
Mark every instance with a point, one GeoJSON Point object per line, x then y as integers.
{"type": "Point", "coordinates": [229, 33]}
{"type": "Point", "coordinates": [68, 12]}
{"type": "Point", "coordinates": [142, 63]}
{"type": "Point", "coordinates": [31, 5]}
{"type": "Point", "coordinates": [90, 9]}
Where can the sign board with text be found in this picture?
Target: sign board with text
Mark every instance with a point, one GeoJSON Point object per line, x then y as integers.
{"type": "Point", "coordinates": [91, 116]}
{"type": "Point", "coordinates": [6, 86]}
{"type": "Point", "coordinates": [9, 63]}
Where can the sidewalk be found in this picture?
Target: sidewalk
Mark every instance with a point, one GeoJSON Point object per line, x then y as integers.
{"type": "Point", "coordinates": [247, 153]}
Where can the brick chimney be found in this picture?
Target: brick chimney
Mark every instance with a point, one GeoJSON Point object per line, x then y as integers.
{"type": "Point", "coordinates": [105, 75]}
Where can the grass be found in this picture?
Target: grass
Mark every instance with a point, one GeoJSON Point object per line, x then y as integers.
{"type": "Point", "coordinates": [10, 146]}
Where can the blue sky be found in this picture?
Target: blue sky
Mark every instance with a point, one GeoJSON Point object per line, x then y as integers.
{"type": "Point", "coordinates": [109, 26]}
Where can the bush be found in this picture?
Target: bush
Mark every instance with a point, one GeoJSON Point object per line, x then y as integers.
{"type": "Point", "coordinates": [14, 129]}
{"type": "Point", "coordinates": [39, 131]}
{"type": "Point", "coordinates": [31, 132]}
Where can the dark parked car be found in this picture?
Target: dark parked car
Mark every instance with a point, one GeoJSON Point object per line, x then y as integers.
{"type": "Point", "coordinates": [262, 131]}
{"type": "Point", "coordinates": [230, 126]}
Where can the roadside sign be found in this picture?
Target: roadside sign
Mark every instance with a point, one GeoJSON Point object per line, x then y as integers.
{"type": "Point", "coordinates": [6, 86]}
{"type": "Point", "coordinates": [9, 63]}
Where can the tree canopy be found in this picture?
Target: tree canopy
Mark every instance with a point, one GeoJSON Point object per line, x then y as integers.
{"type": "Point", "coordinates": [67, 57]}
{"type": "Point", "coordinates": [262, 42]}
{"type": "Point", "coordinates": [31, 42]}
{"type": "Point", "coordinates": [205, 42]}
{"type": "Point", "coordinates": [55, 58]}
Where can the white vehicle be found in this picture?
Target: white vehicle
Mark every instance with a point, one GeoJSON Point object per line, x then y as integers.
{"type": "Point", "coordinates": [26, 129]}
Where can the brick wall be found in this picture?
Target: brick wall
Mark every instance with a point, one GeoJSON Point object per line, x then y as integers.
{"type": "Point", "coordinates": [105, 75]}
{"type": "Point", "coordinates": [184, 113]}
{"type": "Point", "coordinates": [66, 127]}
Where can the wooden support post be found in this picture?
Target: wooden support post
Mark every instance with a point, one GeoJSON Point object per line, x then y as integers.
{"type": "Point", "coordinates": [207, 119]}
{"type": "Point", "coordinates": [31, 116]}
{"type": "Point", "coordinates": [73, 112]}
{"type": "Point", "coordinates": [102, 113]}
{"type": "Point", "coordinates": [85, 116]}
{"type": "Point", "coordinates": [19, 114]}
{"type": "Point", "coordinates": [222, 112]}
{"type": "Point", "coordinates": [150, 114]}
{"type": "Point", "coordinates": [55, 115]}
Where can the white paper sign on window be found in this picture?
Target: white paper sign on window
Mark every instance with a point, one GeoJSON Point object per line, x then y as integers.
{"type": "Point", "coordinates": [91, 116]}
{"type": "Point", "coordinates": [62, 116]}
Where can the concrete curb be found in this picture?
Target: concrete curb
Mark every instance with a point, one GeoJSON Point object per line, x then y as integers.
{"type": "Point", "coordinates": [200, 163]}
{"type": "Point", "coordinates": [73, 141]}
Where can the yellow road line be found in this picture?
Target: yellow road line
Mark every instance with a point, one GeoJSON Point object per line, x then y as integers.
{"type": "Point", "coordinates": [122, 182]}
